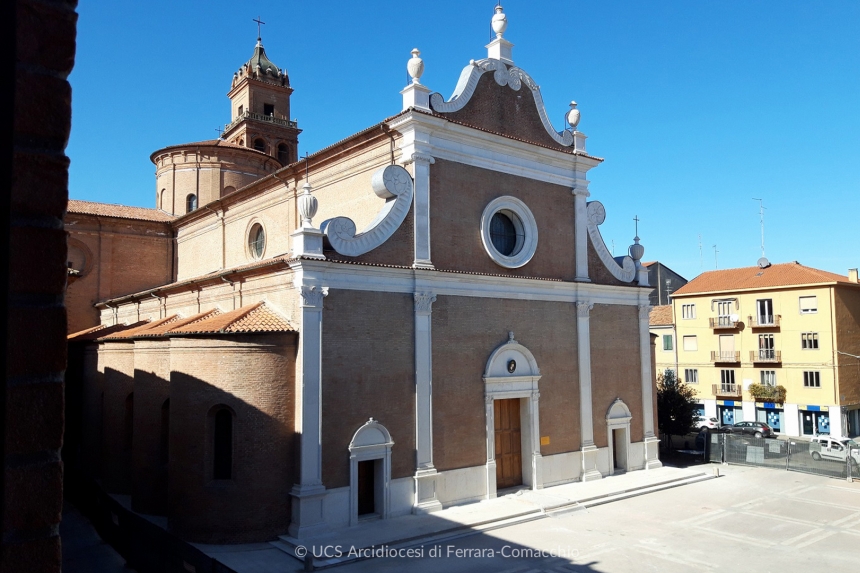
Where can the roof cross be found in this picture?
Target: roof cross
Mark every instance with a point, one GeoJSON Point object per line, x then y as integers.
{"type": "Point", "coordinates": [259, 23]}
{"type": "Point", "coordinates": [636, 218]}
{"type": "Point", "coordinates": [220, 131]}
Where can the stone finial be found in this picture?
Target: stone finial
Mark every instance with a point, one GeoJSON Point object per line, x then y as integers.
{"type": "Point", "coordinates": [415, 66]}
{"type": "Point", "coordinates": [636, 251]}
{"type": "Point", "coordinates": [308, 205]}
{"type": "Point", "coordinates": [500, 21]}
{"type": "Point", "coordinates": [572, 116]}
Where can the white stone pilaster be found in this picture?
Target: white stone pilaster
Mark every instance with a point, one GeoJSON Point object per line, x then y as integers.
{"type": "Point", "coordinates": [490, 417]}
{"type": "Point", "coordinates": [586, 418]}
{"type": "Point", "coordinates": [652, 443]}
{"type": "Point", "coordinates": [534, 435]}
{"type": "Point", "coordinates": [421, 212]}
{"type": "Point", "coordinates": [308, 493]}
{"type": "Point", "coordinates": [426, 499]}
{"type": "Point", "coordinates": [580, 237]}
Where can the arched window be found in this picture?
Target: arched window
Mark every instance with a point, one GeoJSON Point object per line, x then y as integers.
{"type": "Point", "coordinates": [260, 145]}
{"type": "Point", "coordinates": [257, 241]}
{"type": "Point", "coordinates": [128, 430]}
{"type": "Point", "coordinates": [283, 153]}
{"type": "Point", "coordinates": [164, 440]}
{"type": "Point", "coordinates": [190, 203]}
{"type": "Point", "coordinates": [161, 199]}
{"type": "Point", "coordinates": [222, 447]}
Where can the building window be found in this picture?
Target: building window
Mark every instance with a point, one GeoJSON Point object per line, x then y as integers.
{"type": "Point", "coordinates": [241, 111]}
{"type": "Point", "coordinates": [691, 375]}
{"type": "Point", "coordinates": [260, 145]}
{"type": "Point", "coordinates": [724, 313]}
{"type": "Point", "coordinates": [809, 340]}
{"type": "Point", "coordinates": [808, 304]}
{"type": "Point", "coordinates": [268, 109]}
{"type": "Point", "coordinates": [727, 378]}
{"type": "Point", "coordinates": [222, 447]}
{"type": "Point", "coordinates": [283, 153]}
{"type": "Point", "coordinates": [765, 347]}
{"type": "Point", "coordinates": [509, 232]}
{"type": "Point", "coordinates": [691, 343]}
{"type": "Point", "coordinates": [768, 377]}
{"type": "Point", "coordinates": [667, 342]}
{"type": "Point", "coordinates": [161, 199]}
{"type": "Point", "coordinates": [190, 203]}
{"type": "Point", "coordinates": [764, 307]}
{"type": "Point", "coordinates": [812, 379]}
{"type": "Point", "coordinates": [257, 241]}
{"type": "Point", "coordinates": [688, 311]}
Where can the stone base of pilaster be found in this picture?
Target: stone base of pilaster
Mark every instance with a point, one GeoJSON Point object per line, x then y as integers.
{"type": "Point", "coordinates": [426, 500]}
{"type": "Point", "coordinates": [422, 264]}
{"type": "Point", "coordinates": [589, 464]}
{"type": "Point", "coordinates": [307, 505]}
{"type": "Point", "coordinates": [652, 453]}
{"type": "Point", "coordinates": [491, 479]}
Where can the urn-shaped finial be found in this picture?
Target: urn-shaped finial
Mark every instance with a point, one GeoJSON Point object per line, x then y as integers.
{"type": "Point", "coordinates": [572, 116]}
{"type": "Point", "coordinates": [307, 205]}
{"type": "Point", "coordinates": [500, 21]}
{"type": "Point", "coordinates": [415, 66]}
{"type": "Point", "coordinates": [636, 251]}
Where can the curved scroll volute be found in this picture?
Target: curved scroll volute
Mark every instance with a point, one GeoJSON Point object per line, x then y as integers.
{"type": "Point", "coordinates": [392, 183]}
{"type": "Point", "coordinates": [596, 215]}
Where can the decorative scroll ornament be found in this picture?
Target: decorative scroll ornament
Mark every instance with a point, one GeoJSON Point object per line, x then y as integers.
{"type": "Point", "coordinates": [512, 77]}
{"type": "Point", "coordinates": [424, 301]}
{"type": "Point", "coordinates": [391, 183]}
{"type": "Point", "coordinates": [312, 296]}
{"type": "Point", "coordinates": [596, 215]}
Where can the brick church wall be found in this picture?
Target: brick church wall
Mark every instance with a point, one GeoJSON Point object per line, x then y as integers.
{"type": "Point", "coordinates": [368, 368]}
{"type": "Point", "coordinates": [117, 418]}
{"type": "Point", "coordinates": [459, 194]}
{"type": "Point", "coordinates": [254, 376]}
{"type": "Point", "coordinates": [151, 391]}
{"type": "Point", "coordinates": [465, 332]}
{"type": "Point", "coordinates": [615, 370]}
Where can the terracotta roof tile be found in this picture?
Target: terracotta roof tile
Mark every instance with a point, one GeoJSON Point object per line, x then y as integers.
{"type": "Point", "coordinates": [142, 329]}
{"type": "Point", "coordinates": [752, 278]}
{"type": "Point", "coordinates": [165, 328]}
{"type": "Point", "coordinates": [214, 143]}
{"type": "Point", "coordinates": [102, 331]}
{"type": "Point", "coordinates": [660, 315]}
{"type": "Point", "coordinates": [118, 211]}
{"type": "Point", "coordinates": [258, 317]}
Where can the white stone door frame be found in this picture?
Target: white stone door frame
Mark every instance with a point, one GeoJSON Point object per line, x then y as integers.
{"type": "Point", "coordinates": [372, 441]}
{"type": "Point", "coordinates": [618, 417]}
{"type": "Point", "coordinates": [500, 383]}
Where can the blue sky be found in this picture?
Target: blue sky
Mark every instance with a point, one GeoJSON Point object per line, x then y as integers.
{"type": "Point", "coordinates": [697, 107]}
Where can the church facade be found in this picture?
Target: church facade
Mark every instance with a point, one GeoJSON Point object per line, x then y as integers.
{"type": "Point", "coordinates": [421, 315]}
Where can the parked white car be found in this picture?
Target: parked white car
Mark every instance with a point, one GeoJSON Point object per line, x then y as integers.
{"type": "Point", "coordinates": [702, 423]}
{"type": "Point", "coordinates": [825, 447]}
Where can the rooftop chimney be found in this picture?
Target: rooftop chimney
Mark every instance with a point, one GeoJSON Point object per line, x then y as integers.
{"type": "Point", "coordinates": [852, 276]}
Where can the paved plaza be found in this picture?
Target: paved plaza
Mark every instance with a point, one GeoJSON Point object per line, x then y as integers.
{"type": "Point", "coordinates": [750, 519]}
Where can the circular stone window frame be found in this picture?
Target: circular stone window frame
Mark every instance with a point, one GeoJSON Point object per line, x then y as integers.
{"type": "Point", "coordinates": [523, 220]}
{"type": "Point", "coordinates": [248, 230]}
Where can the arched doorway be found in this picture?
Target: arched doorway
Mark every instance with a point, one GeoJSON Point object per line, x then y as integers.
{"type": "Point", "coordinates": [370, 472]}
{"type": "Point", "coordinates": [618, 435]}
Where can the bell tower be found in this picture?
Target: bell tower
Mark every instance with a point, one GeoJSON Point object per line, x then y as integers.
{"type": "Point", "coordinates": [260, 108]}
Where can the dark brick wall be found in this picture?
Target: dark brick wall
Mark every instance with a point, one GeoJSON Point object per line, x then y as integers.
{"type": "Point", "coordinates": [254, 376]}
{"type": "Point", "coordinates": [465, 332]}
{"type": "Point", "coordinates": [42, 49]}
{"type": "Point", "coordinates": [117, 416]}
{"type": "Point", "coordinates": [368, 369]}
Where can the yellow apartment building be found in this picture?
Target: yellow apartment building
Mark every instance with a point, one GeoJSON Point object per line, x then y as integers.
{"type": "Point", "coordinates": [743, 335]}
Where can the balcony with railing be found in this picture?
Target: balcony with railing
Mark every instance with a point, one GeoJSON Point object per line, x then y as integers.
{"type": "Point", "coordinates": [724, 322]}
{"type": "Point", "coordinates": [764, 321]}
{"type": "Point", "coordinates": [260, 117]}
{"type": "Point", "coordinates": [725, 356]}
{"type": "Point", "coordinates": [730, 390]}
{"type": "Point", "coordinates": [766, 355]}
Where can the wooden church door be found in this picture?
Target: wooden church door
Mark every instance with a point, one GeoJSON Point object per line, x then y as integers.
{"type": "Point", "coordinates": [509, 461]}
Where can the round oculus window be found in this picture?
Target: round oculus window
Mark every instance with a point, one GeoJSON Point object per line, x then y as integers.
{"type": "Point", "coordinates": [509, 232]}
{"type": "Point", "coordinates": [257, 241]}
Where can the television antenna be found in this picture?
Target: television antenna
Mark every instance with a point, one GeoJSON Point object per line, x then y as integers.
{"type": "Point", "coordinates": [761, 220]}
{"type": "Point", "coordinates": [716, 263]}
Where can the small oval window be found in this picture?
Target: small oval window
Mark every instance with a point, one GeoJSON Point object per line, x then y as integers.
{"type": "Point", "coordinates": [257, 241]}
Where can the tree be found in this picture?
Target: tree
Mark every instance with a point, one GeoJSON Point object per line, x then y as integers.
{"type": "Point", "coordinates": [676, 408]}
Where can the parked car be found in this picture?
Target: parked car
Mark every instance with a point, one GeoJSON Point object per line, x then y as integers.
{"type": "Point", "coordinates": [757, 429]}
{"type": "Point", "coordinates": [834, 449]}
{"type": "Point", "coordinates": [703, 423]}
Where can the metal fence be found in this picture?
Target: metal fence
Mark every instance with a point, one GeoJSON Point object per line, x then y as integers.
{"type": "Point", "coordinates": [791, 455]}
